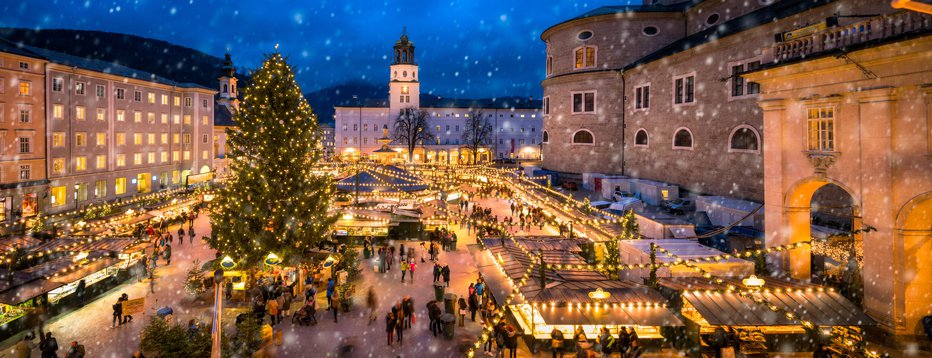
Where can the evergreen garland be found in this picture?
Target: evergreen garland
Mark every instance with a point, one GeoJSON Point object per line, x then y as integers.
{"type": "Point", "coordinates": [274, 202]}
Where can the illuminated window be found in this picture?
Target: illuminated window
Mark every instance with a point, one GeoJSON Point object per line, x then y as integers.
{"type": "Point", "coordinates": [176, 119]}
{"type": "Point", "coordinates": [101, 114]}
{"type": "Point", "coordinates": [204, 120]}
{"type": "Point", "coordinates": [150, 158]}
{"type": "Point", "coordinates": [164, 118]}
{"type": "Point", "coordinates": [137, 158]}
{"type": "Point", "coordinates": [150, 117]}
{"type": "Point", "coordinates": [204, 154]}
{"type": "Point", "coordinates": [177, 101]}
{"type": "Point", "coordinates": [119, 186]}
{"type": "Point", "coordinates": [101, 138]}
{"type": "Point", "coordinates": [165, 99]}
{"type": "Point", "coordinates": [585, 57]}
{"type": "Point", "coordinates": [100, 188]}
{"type": "Point", "coordinates": [821, 123]}
{"type": "Point", "coordinates": [164, 138]}
{"type": "Point", "coordinates": [176, 156]}
{"type": "Point", "coordinates": [137, 138]}
{"type": "Point", "coordinates": [80, 163]}
{"type": "Point", "coordinates": [101, 161]}
{"type": "Point", "coordinates": [175, 177]}
{"type": "Point", "coordinates": [137, 116]}
{"type": "Point", "coordinates": [59, 193]}
{"type": "Point", "coordinates": [80, 113]}
{"type": "Point", "coordinates": [120, 115]}
{"type": "Point", "coordinates": [58, 111]}
{"type": "Point", "coordinates": [151, 97]}
{"type": "Point", "coordinates": [58, 139]}
{"type": "Point", "coordinates": [121, 160]}
{"type": "Point", "coordinates": [80, 139]}
{"type": "Point", "coordinates": [151, 138]}
{"type": "Point", "coordinates": [176, 138]}
{"type": "Point", "coordinates": [58, 166]}
{"type": "Point", "coordinates": [164, 156]}
{"type": "Point", "coordinates": [187, 119]}
{"type": "Point", "coordinates": [121, 138]}
{"type": "Point", "coordinates": [25, 88]}
{"type": "Point", "coordinates": [187, 155]}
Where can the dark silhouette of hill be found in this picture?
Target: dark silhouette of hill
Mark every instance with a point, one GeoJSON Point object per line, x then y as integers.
{"type": "Point", "coordinates": [178, 63]}
{"type": "Point", "coordinates": [323, 100]}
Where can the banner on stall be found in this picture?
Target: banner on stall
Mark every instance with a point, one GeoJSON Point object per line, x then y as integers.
{"type": "Point", "coordinates": [134, 306]}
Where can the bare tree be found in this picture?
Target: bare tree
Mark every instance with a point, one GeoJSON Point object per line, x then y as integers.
{"type": "Point", "coordinates": [411, 129]}
{"type": "Point", "coordinates": [478, 132]}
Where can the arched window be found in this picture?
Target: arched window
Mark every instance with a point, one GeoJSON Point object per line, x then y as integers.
{"type": "Point", "coordinates": [404, 56]}
{"type": "Point", "coordinates": [583, 136]}
{"type": "Point", "coordinates": [225, 88]}
{"type": "Point", "coordinates": [585, 57]}
{"type": "Point", "coordinates": [744, 138]}
{"type": "Point", "coordinates": [546, 138]}
{"type": "Point", "coordinates": [683, 139]}
{"type": "Point", "coordinates": [641, 139]}
{"type": "Point", "coordinates": [397, 56]}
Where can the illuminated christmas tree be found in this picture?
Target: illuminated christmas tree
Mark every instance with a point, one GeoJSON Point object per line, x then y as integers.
{"type": "Point", "coordinates": [274, 202]}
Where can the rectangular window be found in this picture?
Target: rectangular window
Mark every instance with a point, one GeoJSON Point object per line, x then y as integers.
{"type": "Point", "coordinates": [187, 155]}
{"type": "Point", "coordinates": [58, 111]}
{"type": "Point", "coordinates": [137, 96]}
{"type": "Point", "coordinates": [137, 158]}
{"type": "Point", "coordinates": [176, 138]}
{"type": "Point", "coordinates": [120, 93]}
{"type": "Point", "coordinates": [204, 139]}
{"type": "Point", "coordinates": [642, 97]}
{"type": "Point", "coordinates": [137, 116]}
{"type": "Point", "coordinates": [58, 84]}
{"type": "Point", "coordinates": [58, 139]}
{"type": "Point", "coordinates": [100, 189]}
{"type": "Point", "coordinates": [739, 86]}
{"type": "Point", "coordinates": [25, 172]}
{"type": "Point", "coordinates": [187, 119]}
{"type": "Point", "coordinates": [204, 103]}
{"type": "Point", "coordinates": [549, 65]}
{"type": "Point", "coordinates": [203, 120]}
{"type": "Point", "coordinates": [137, 138]}
{"type": "Point", "coordinates": [24, 65]}
{"type": "Point", "coordinates": [80, 88]}
{"type": "Point", "coordinates": [585, 57]}
{"type": "Point", "coordinates": [24, 115]}
{"type": "Point", "coordinates": [101, 91]}
{"type": "Point", "coordinates": [24, 145]}
{"type": "Point", "coordinates": [176, 156]}
{"type": "Point", "coordinates": [150, 117]}
{"type": "Point", "coordinates": [584, 102]}
{"type": "Point", "coordinates": [80, 113]}
{"type": "Point", "coordinates": [684, 89]}
{"type": "Point", "coordinates": [80, 163]}
{"type": "Point", "coordinates": [119, 186]}
{"type": "Point", "coordinates": [164, 138]}
{"type": "Point", "coordinates": [80, 139]}
{"type": "Point", "coordinates": [101, 138]}
{"type": "Point", "coordinates": [164, 118]}
{"type": "Point", "coordinates": [165, 99]}
{"type": "Point", "coordinates": [101, 162]}
{"type": "Point", "coordinates": [164, 156]}
{"type": "Point", "coordinates": [120, 138]}
{"type": "Point", "coordinates": [737, 82]}
{"type": "Point", "coordinates": [188, 102]}
{"type": "Point", "coordinates": [25, 88]}
{"type": "Point", "coordinates": [546, 105]}
{"type": "Point", "coordinates": [120, 115]}
{"type": "Point", "coordinates": [204, 154]}
{"type": "Point", "coordinates": [176, 101]}
{"type": "Point", "coordinates": [187, 138]}
{"type": "Point", "coordinates": [150, 138]}
{"type": "Point", "coordinates": [101, 114]}
{"type": "Point", "coordinates": [176, 119]}
{"type": "Point", "coordinates": [59, 193]}
{"type": "Point", "coordinates": [821, 129]}
{"type": "Point", "coordinates": [58, 166]}
{"type": "Point", "coordinates": [151, 97]}
{"type": "Point", "coordinates": [150, 157]}
{"type": "Point", "coordinates": [121, 160]}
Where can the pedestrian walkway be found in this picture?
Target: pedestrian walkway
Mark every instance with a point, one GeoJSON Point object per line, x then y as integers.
{"type": "Point", "coordinates": [91, 325]}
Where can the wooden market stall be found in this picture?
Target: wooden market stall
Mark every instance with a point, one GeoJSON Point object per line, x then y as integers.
{"type": "Point", "coordinates": [762, 327]}
{"type": "Point", "coordinates": [638, 252]}
{"type": "Point", "coordinates": [567, 299]}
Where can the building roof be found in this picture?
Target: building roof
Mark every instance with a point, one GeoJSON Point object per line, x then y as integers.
{"type": "Point", "coordinates": [619, 9]}
{"type": "Point", "coordinates": [223, 116]}
{"type": "Point", "coordinates": [10, 47]}
{"type": "Point", "coordinates": [432, 101]}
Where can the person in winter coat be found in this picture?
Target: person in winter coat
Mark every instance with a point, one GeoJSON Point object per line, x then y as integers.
{"type": "Point", "coordinates": [24, 347]}
{"type": "Point", "coordinates": [48, 346]}
{"type": "Point", "coordinates": [557, 342]}
{"type": "Point", "coordinates": [473, 306]}
{"type": "Point", "coordinates": [445, 271]}
{"type": "Point", "coordinates": [462, 310]}
{"type": "Point", "coordinates": [407, 308]}
{"type": "Point", "coordinates": [404, 269]}
{"type": "Point", "coordinates": [76, 350]}
{"type": "Point", "coordinates": [390, 326]}
{"type": "Point", "coordinates": [190, 235]}
{"type": "Point", "coordinates": [433, 312]}
{"type": "Point", "coordinates": [624, 341]}
{"type": "Point", "coordinates": [437, 271]}
{"type": "Point", "coordinates": [411, 266]}
{"type": "Point", "coordinates": [512, 341]}
{"type": "Point", "coordinates": [400, 322]}
{"type": "Point", "coordinates": [330, 288]}
{"type": "Point", "coordinates": [272, 308]}
{"type": "Point", "coordinates": [168, 254]}
{"type": "Point", "coordinates": [607, 342]}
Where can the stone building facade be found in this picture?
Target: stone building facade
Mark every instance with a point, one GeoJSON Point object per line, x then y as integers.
{"type": "Point", "coordinates": [359, 123]}
{"type": "Point", "coordinates": [116, 132]}
{"type": "Point", "coordinates": [849, 107]}
{"type": "Point", "coordinates": [655, 86]}
{"type": "Point", "coordinates": [22, 133]}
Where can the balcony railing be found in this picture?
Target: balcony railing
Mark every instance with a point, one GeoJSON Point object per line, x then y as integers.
{"type": "Point", "coordinates": [840, 37]}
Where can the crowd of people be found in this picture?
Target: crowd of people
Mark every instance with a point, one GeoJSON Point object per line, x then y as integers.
{"type": "Point", "coordinates": [626, 343]}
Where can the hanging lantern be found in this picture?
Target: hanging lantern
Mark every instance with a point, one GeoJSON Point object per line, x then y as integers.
{"type": "Point", "coordinates": [227, 263]}
{"type": "Point", "coordinates": [272, 259]}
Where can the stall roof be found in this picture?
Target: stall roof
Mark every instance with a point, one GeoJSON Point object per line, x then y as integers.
{"type": "Point", "coordinates": [685, 249]}
{"type": "Point", "coordinates": [641, 316]}
{"type": "Point", "coordinates": [378, 181]}
{"type": "Point", "coordinates": [112, 244]}
{"type": "Point", "coordinates": [702, 283]}
{"type": "Point", "coordinates": [821, 308]}
{"type": "Point", "coordinates": [85, 270]}
{"type": "Point", "coordinates": [27, 291]}
{"type": "Point", "coordinates": [8, 243]}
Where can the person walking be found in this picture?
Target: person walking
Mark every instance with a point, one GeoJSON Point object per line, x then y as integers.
{"type": "Point", "coordinates": [473, 306]}
{"type": "Point", "coordinates": [76, 350]}
{"type": "Point", "coordinates": [404, 269]}
{"type": "Point", "coordinates": [556, 342]}
{"type": "Point", "coordinates": [168, 254]}
{"type": "Point", "coordinates": [48, 345]}
{"type": "Point", "coordinates": [181, 232]}
{"type": "Point", "coordinates": [330, 287]}
{"type": "Point", "coordinates": [462, 310]}
{"type": "Point", "coordinates": [400, 323]}
{"type": "Point", "coordinates": [446, 275]}
{"type": "Point", "coordinates": [390, 326]}
{"type": "Point", "coordinates": [336, 308]}
{"type": "Point", "coordinates": [623, 342]}
{"type": "Point", "coordinates": [271, 307]}
{"type": "Point", "coordinates": [433, 312]}
{"type": "Point", "coordinates": [371, 303]}
{"type": "Point", "coordinates": [382, 263]}
{"type": "Point", "coordinates": [607, 341]}
{"type": "Point", "coordinates": [123, 298]}
{"type": "Point", "coordinates": [24, 347]}
{"type": "Point", "coordinates": [117, 314]}
{"type": "Point", "coordinates": [407, 309]}
{"type": "Point", "coordinates": [437, 270]}
{"type": "Point", "coordinates": [411, 266]}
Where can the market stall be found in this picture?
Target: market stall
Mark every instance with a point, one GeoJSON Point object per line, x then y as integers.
{"type": "Point", "coordinates": [567, 299]}
{"type": "Point", "coordinates": [638, 252]}
{"type": "Point", "coordinates": [759, 311]}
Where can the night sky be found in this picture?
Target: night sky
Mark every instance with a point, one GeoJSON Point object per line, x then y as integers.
{"type": "Point", "coordinates": [478, 48]}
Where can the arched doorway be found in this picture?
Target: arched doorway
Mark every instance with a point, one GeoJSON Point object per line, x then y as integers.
{"type": "Point", "coordinates": [205, 169]}
{"type": "Point", "coordinates": [829, 207]}
{"type": "Point", "coordinates": [837, 248]}
{"type": "Point", "coordinates": [914, 230]}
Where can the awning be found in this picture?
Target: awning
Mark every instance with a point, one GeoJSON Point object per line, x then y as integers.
{"type": "Point", "coordinates": [821, 308]}
{"type": "Point", "coordinates": [27, 291]}
{"type": "Point", "coordinates": [639, 316]}
{"type": "Point", "coordinates": [85, 270]}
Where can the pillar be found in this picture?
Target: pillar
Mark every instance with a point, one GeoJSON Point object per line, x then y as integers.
{"type": "Point", "coordinates": [799, 220]}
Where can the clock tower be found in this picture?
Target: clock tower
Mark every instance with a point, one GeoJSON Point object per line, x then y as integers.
{"type": "Point", "coordinates": [404, 88]}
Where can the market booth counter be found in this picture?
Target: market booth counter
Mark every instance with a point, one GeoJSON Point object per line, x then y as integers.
{"type": "Point", "coordinates": [568, 299]}
{"type": "Point", "coordinates": [764, 327]}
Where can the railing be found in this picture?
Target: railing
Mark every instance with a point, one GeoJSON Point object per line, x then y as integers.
{"type": "Point", "coordinates": [839, 37]}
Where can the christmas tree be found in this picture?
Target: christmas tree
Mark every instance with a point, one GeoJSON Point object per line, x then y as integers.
{"type": "Point", "coordinates": [274, 202]}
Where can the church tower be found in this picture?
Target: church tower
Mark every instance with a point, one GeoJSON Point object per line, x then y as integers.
{"type": "Point", "coordinates": [404, 88]}
{"type": "Point", "coordinates": [228, 84]}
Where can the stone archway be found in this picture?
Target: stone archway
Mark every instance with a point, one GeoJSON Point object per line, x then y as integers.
{"type": "Point", "coordinates": [914, 230]}
{"type": "Point", "coordinates": [798, 221]}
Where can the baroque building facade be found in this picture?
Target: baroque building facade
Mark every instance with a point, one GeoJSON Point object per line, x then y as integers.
{"type": "Point", "coordinates": [360, 123]}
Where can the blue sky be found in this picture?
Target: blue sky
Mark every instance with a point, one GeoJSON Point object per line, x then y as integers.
{"type": "Point", "coordinates": [477, 48]}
